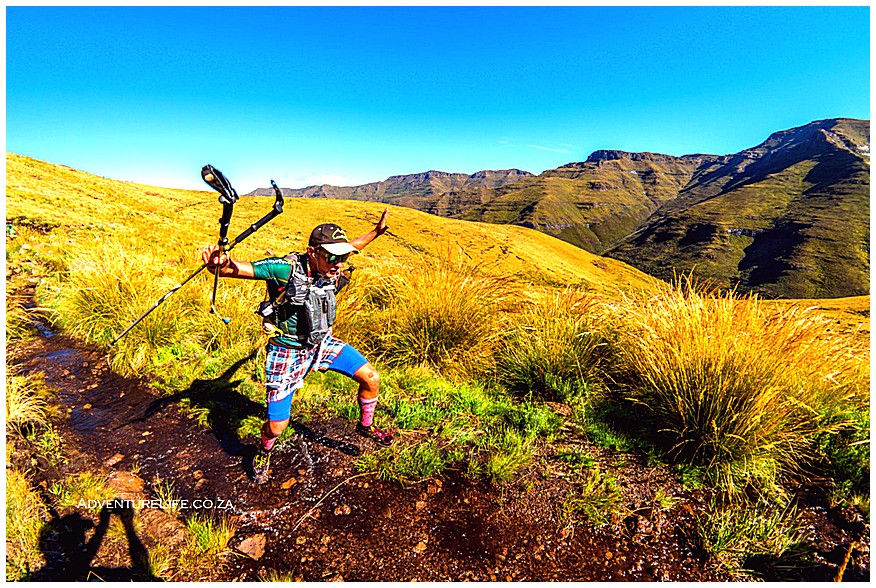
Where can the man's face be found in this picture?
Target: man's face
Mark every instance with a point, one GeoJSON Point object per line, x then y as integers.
{"type": "Point", "coordinates": [319, 259]}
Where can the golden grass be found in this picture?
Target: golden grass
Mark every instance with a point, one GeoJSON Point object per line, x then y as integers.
{"type": "Point", "coordinates": [25, 516]}
{"type": "Point", "coordinates": [737, 388]}
{"type": "Point", "coordinates": [26, 404]}
{"type": "Point", "coordinates": [442, 312]}
{"type": "Point", "coordinates": [90, 209]}
{"type": "Point", "coordinates": [556, 346]}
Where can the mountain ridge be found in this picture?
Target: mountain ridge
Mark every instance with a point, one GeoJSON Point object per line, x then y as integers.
{"type": "Point", "coordinates": [667, 214]}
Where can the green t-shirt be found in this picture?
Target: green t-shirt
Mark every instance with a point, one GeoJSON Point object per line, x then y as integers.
{"type": "Point", "coordinates": [275, 271]}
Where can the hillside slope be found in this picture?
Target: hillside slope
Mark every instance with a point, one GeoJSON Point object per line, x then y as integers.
{"type": "Point", "coordinates": [84, 207]}
{"type": "Point", "coordinates": [788, 218]}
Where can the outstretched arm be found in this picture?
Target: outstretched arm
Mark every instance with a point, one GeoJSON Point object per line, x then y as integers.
{"type": "Point", "coordinates": [379, 229]}
{"type": "Point", "coordinates": [228, 268]}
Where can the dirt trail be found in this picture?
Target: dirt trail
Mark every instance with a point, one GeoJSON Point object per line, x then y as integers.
{"type": "Point", "coordinates": [322, 521]}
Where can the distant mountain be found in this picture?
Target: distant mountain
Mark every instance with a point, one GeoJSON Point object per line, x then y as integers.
{"type": "Point", "coordinates": [787, 218]}
{"type": "Point", "coordinates": [412, 190]}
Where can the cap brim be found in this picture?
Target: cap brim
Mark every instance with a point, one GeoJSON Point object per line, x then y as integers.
{"type": "Point", "coordinates": [339, 248]}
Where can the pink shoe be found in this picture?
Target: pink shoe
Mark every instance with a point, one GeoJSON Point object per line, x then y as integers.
{"type": "Point", "coordinates": [381, 437]}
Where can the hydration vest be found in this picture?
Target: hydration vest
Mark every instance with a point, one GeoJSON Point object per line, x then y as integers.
{"type": "Point", "coordinates": [311, 300]}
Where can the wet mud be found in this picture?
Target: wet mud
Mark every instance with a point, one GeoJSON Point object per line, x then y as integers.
{"type": "Point", "coordinates": [323, 520]}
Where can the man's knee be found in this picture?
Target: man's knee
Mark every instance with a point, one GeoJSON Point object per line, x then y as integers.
{"type": "Point", "coordinates": [275, 428]}
{"type": "Point", "coordinates": [368, 377]}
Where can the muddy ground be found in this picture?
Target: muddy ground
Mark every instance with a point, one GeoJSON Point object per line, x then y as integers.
{"type": "Point", "coordinates": [318, 519]}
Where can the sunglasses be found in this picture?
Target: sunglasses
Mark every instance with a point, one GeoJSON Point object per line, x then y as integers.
{"type": "Point", "coordinates": [332, 259]}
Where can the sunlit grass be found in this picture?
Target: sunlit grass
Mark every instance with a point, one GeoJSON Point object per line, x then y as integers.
{"type": "Point", "coordinates": [443, 312]}
{"type": "Point", "coordinates": [25, 517]}
{"type": "Point", "coordinates": [730, 533]}
{"type": "Point", "coordinates": [556, 347]}
{"type": "Point", "coordinates": [81, 489]}
{"type": "Point", "coordinates": [26, 405]}
{"type": "Point", "coordinates": [738, 389]}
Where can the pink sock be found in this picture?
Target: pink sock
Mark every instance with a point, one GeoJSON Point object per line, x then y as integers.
{"type": "Point", "coordinates": [268, 442]}
{"type": "Point", "coordinates": [367, 405]}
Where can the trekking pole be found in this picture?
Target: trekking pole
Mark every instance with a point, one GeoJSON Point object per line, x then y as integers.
{"type": "Point", "coordinates": [276, 210]}
{"type": "Point", "coordinates": [227, 197]}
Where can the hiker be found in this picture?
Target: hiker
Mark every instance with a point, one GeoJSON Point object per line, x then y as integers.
{"type": "Point", "coordinates": [299, 316]}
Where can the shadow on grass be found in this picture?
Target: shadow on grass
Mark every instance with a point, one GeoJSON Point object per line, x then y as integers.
{"type": "Point", "coordinates": [227, 409]}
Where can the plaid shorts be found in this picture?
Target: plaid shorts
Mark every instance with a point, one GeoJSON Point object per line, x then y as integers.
{"type": "Point", "coordinates": [286, 368]}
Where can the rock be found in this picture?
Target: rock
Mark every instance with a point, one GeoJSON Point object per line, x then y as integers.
{"type": "Point", "coordinates": [114, 460]}
{"type": "Point", "coordinates": [288, 483]}
{"type": "Point", "coordinates": [86, 407]}
{"type": "Point", "coordinates": [342, 510]}
{"type": "Point", "coordinates": [162, 527]}
{"type": "Point", "coordinates": [302, 472]}
{"type": "Point", "coordinates": [608, 555]}
{"type": "Point", "coordinates": [301, 540]}
{"type": "Point", "coordinates": [126, 485]}
{"type": "Point", "coordinates": [420, 547]}
{"type": "Point", "coordinates": [253, 546]}
{"type": "Point", "coordinates": [197, 474]}
{"type": "Point", "coordinates": [420, 505]}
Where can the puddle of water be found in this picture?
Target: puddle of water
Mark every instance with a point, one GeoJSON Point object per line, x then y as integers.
{"type": "Point", "coordinates": [60, 354]}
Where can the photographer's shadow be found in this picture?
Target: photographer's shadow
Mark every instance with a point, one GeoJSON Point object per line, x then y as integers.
{"type": "Point", "coordinates": [68, 555]}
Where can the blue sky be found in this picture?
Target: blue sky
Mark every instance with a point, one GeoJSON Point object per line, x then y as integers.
{"type": "Point", "coordinates": [347, 95]}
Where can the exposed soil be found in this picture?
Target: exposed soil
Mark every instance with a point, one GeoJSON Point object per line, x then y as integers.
{"type": "Point", "coordinates": [322, 521]}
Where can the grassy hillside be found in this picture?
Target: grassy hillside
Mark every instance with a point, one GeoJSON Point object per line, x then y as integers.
{"type": "Point", "coordinates": [789, 218]}
{"type": "Point", "coordinates": [87, 208]}
{"type": "Point", "coordinates": [590, 204]}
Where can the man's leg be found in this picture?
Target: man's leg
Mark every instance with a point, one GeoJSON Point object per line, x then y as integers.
{"type": "Point", "coordinates": [284, 375]}
{"type": "Point", "coordinates": [271, 430]}
{"type": "Point", "coordinates": [345, 359]}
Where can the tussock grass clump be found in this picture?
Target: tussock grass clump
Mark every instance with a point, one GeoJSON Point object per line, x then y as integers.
{"type": "Point", "coordinates": [734, 532]}
{"type": "Point", "coordinates": [203, 555]}
{"type": "Point", "coordinates": [597, 499]}
{"type": "Point", "coordinates": [19, 324]}
{"type": "Point", "coordinates": [26, 405]}
{"type": "Point", "coordinates": [25, 516]}
{"type": "Point", "coordinates": [738, 389]}
{"type": "Point", "coordinates": [113, 283]}
{"type": "Point", "coordinates": [442, 312]}
{"type": "Point", "coordinates": [81, 488]}
{"type": "Point", "coordinates": [556, 347]}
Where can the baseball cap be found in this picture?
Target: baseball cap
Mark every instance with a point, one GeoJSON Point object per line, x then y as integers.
{"type": "Point", "coordinates": [332, 238]}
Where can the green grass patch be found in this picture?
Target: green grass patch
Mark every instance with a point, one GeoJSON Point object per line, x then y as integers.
{"type": "Point", "coordinates": [25, 517]}
{"type": "Point", "coordinates": [471, 427]}
{"type": "Point", "coordinates": [597, 499]}
{"type": "Point", "coordinates": [732, 533]}
{"type": "Point", "coordinates": [76, 490]}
